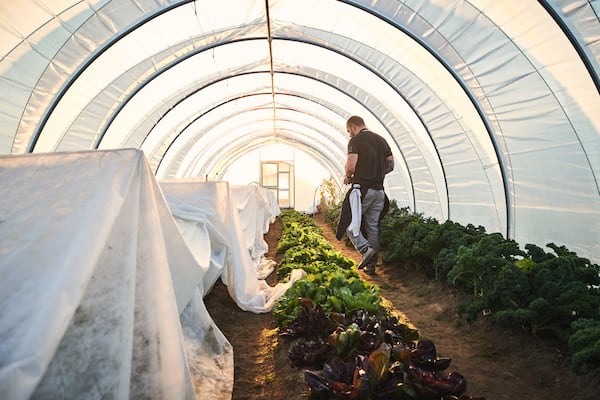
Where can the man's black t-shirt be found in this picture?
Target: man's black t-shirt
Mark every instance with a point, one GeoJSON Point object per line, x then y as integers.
{"type": "Point", "coordinates": [372, 151]}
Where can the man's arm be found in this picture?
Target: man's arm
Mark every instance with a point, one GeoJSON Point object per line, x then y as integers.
{"type": "Point", "coordinates": [350, 167]}
{"type": "Point", "coordinates": [389, 164]}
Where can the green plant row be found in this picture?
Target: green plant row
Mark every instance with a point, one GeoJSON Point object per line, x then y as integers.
{"type": "Point", "coordinates": [331, 279]}
{"type": "Point", "coordinates": [353, 346]}
{"type": "Point", "coordinates": [550, 294]}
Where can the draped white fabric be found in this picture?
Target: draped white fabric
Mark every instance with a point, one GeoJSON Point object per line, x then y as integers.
{"type": "Point", "coordinates": [102, 297]}
{"type": "Point", "coordinates": [207, 214]}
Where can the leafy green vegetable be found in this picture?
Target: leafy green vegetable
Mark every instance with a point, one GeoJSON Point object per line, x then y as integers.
{"type": "Point", "coordinates": [477, 264]}
{"type": "Point", "coordinates": [331, 280]}
{"type": "Point", "coordinates": [533, 290]}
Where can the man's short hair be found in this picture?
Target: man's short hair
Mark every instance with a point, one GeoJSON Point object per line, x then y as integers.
{"type": "Point", "coordinates": [355, 120]}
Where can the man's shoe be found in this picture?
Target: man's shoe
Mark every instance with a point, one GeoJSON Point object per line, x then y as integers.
{"type": "Point", "coordinates": [370, 270]}
{"type": "Point", "coordinates": [367, 256]}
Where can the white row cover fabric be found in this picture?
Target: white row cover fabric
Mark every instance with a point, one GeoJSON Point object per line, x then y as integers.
{"type": "Point", "coordinates": [100, 295]}
{"type": "Point", "coordinates": [257, 208]}
{"type": "Point", "coordinates": [208, 218]}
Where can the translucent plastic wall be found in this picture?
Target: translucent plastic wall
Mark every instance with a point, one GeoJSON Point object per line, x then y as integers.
{"type": "Point", "coordinates": [491, 107]}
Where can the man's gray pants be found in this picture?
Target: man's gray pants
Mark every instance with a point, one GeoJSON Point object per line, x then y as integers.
{"type": "Point", "coordinates": [372, 205]}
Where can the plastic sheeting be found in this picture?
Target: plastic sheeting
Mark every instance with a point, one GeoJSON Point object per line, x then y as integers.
{"type": "Point", "coordinates": [100, 295]}
{"type": "Point", "coordinates": [491, 108]}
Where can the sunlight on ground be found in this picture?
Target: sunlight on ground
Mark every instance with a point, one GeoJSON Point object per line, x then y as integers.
{"type": "Point", "coordinates": [399, 314]}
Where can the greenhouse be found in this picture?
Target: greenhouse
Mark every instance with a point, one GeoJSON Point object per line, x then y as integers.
{"type": "Point", "coordinates": [147, 146]}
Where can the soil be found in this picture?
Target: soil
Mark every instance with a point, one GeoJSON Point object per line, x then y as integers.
{"type": "Point", "coordinates": [497, 363]}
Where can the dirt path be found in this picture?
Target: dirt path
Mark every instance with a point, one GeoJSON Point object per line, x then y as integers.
{"type": "Point", "coordinates": [496, 363]}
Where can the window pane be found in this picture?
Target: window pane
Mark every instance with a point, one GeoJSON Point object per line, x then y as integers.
{"type": "Point", "coordinates": [269, 174]}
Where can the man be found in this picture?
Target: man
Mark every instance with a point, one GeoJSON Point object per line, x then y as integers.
{"type": "Point", "coordinates": [369, 159]}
